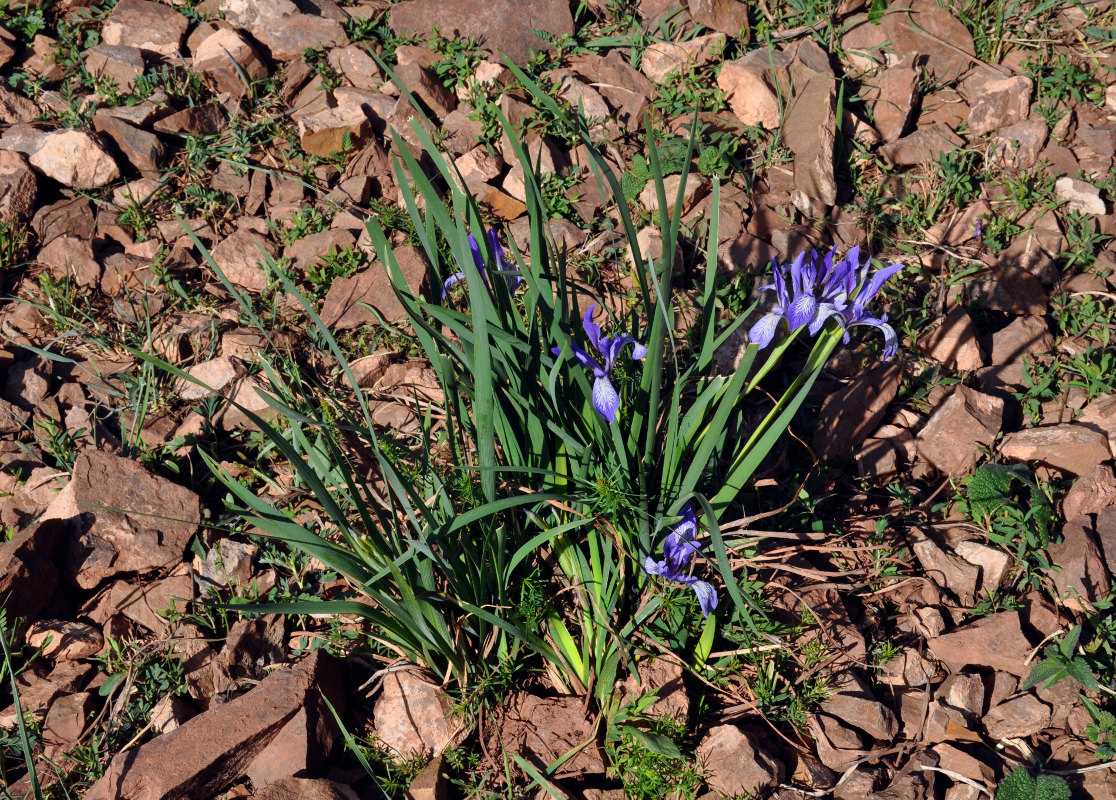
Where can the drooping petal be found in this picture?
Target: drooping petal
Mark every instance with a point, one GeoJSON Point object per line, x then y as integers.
{"type": "Point", "coordinates": [456, 277]}
{"type": "Point", "coordinates": [584, 359]}
{"type": "Point", "coordinates": [764, 330]}
{"type": "Point", "coordinates": [707, 597]}
{"type": "Point", "coordinates": [611, 347]}
{"type": "Point", "coordinates": [605, 398]}
{"type": "Point", "coordinates": [592, 329]}
{"type": "Point", "coordinates": [474, 248]}
{"type": "Point", "coordinates": [653, 567]}
{"type": "Point", "coordinates": [891, 340]}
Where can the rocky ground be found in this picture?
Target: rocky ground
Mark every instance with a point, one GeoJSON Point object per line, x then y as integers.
{"type": "Point", "coordinates": [940, 538]}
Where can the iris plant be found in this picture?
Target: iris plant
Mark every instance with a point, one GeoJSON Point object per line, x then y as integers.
{"type": "Point", "coordinates": [833, 289]}
{"type": "Point", "coordinates": [679, 549]}
{"type": "Point", "coordinates": [606, 400]}
{"type": "Point", "coordinates": [509, 271]}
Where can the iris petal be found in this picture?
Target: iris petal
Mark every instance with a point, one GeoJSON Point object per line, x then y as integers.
{"type": "Point", "coordinates": [605, 398]}
{"type": "Point", "coordinates": [764, 331]}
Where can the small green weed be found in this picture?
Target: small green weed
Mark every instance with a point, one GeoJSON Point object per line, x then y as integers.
{"type": "Point", "coordinates": [1022, 785]}
{"type": "Point", "coordinates": [1061, 660]}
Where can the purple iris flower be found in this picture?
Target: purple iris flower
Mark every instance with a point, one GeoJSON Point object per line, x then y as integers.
{"type": "Point", "coordinates": [679, 549]}
{"type": "Point", "coordinates": [818, 292]}
{"type": "Point", "coordinates": [509, 271]}
{"type": "Point", "coordinates": [606, 400]}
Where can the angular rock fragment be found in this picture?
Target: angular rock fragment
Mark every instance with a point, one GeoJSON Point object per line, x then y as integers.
{"type": "Point", "coordinates": [954, 343]}
{"type": "Point", "coordinates": [924, 146]}
{"type": "Point", "coordinates": [143, 149]}
{"type": "Point", "coordinates": [1081, 577]}
{"type": "Point", "coordinates": [242, 256]}
{"type": "Point", "coordinates": [736, 763]}
{"type": "Point", "coordinates": [965, 421]}
{"type": "Point", "coordinates": [16, 108]}
{"type": "Point", "coordinates": [854, 704]}
{"type": "Point", "coordinates": [1000, 102]}
{"type": "Point", "coordinates": [122, 518]}
{"type": "Point", "coordinates": [210, 751]}
{"type": "Point", "coordinates": [849, 415]}
{"type": "Point", "coordinates": [118, 63]}
{"type": "Point", "coordinates": [223, 56]}
{"type": "Point", "coordinates": [543, 728]}
{"type": "Point", "coordinates": [18, 187]}
{"type": "Point", "coordinates": [411, 716]}
{"type": "Point", "coordinates": [499, 26]}
{"type": "Point", "coordinates": [810, 130]}
{"type": "Point", "coordinates": [75, 159]}
{"type": "Point", "coordinates": [1070, 447]}
{"type": "Point", "coordinates": [64, 640]}
{"type": "Point", "coordinates": [1018, 718]}
{"type": "Point", "coordinates": [996, 641]}
{"type": "Point", "coordinates": [1079, 196]}
{"type": "Point", "coordinates": [146, 25]}
{"type": "Point", "coordinates": [286, 38]}
{"type": "Point", "coordinates": [332, 130]}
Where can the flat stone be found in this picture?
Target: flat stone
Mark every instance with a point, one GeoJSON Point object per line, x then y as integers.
{"type": "Point", "coordinates": [964, 422]}
{"type": "Point", "coordinates": [68, 640]}
{"type": "Point", "coordinates": [854, 704]}
{"type": "Point", "coordinates": [70, 256]}
{"type": "Point", "coordinates": [894, 98]}
{"type": "Point", "coordinates": [147, 26]}
{"type": "Point", "coordinates": [341, 309]}
{"type": "Point", "coordinates": [147, 604]}
{"type": "Point", "coordinates": [1000, 102]}
{"type": "Point", "coordinates": [310, 249]}
{"type": "Point", "coordinates": [75, 159]}
{"type": "Point", "coordinates": [544, 728]}
{"type": "Point", "coordinates": [1090, 494]}
{"type": "Point", "coordinates": [1018, 145]}
{"type": "Point", "coordinates": [242, 256]}
{"type": "Point", "coordinates": [210, 751]}
{"type": "Point", "coordinates": [223, 56]}
{"type": "Point", "coordinates": [143, 149]}
{"type": "Point", "coordinates": [1018, 718]}
{"type": "Point", "coordinates": [358, 67]}
{"type": "Point", "coordinates": [119, 63]}
{"type": "Point", "coordinates": [1024, 336]}
{"type": "Point", "coordinates": [924, 31]}
{"type": "Point", "coordinates": [662, 59]}
{"type": "Point", "coordinates": [1079, 196]}
{"type": "Point", "coordinates": [18, 187]}
{"type": "Point", "coordinates": [726, 16]}
{"type": "Point", "coordinates": [216, 374]}
{"type": "Point", "coordinates": [15, 108]}
{"type": "Point", "coordinates": [28, 576]}
{"type": "Point", "coordinates": [252, 14]}
{"type": "Point", "coordinates": [1069, 447]}
{"type": "Point", "coordinates": [425, 86]}
{"type": "Point", "coordinates": [67, 718]}
{"type": "Point", "coordinates": [924, 146]}
{"type": "Point", "coordinates": [993, 563]}
{"type": "Point", "coordinates": [305, 789]}
{"type": "Point", "coordinates": [411, 716]}
{"type": "Point", "coordinates": [664, 677]}
{"type": "Point", "coordinates": [122, 518]}
{"type": "Point", "coordinates": [498, 25]}
{"type": "Point", "coordinates": [953, 344]}
{"type": "Point", "coordinates": [202, 120]}
{"type": "Point", "coordinates": [1082, 576]}
{"type": "Point", "coordinates": [995, 641]}
{"type": "Point", "coordinates": [735, 762]}
{"type": "Point", "coordinates": [851, 414]}
{"type": "Point", "coordinates": [697, 186]}
{"type": "Point", "coordinates": [1100, 415]}
{"type": "Point", "coordinates": [947, 570]}
{"type": "Point", "coordinates": [287, 37]}
{"type": "Point", "coordinates": [810, 130]}
{"type": "Point", "coordinates": [329, 131]}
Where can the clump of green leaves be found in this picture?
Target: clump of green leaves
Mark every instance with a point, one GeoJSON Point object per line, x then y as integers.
{"type": "Point", "coordinates": [1022, 785]}
{"type": "Point", "coordinates": [1015, 510]}
{"type": "Point", "coordinates": [1101, 731]}
{"type": "Point", "coordinates": [1061, 661]}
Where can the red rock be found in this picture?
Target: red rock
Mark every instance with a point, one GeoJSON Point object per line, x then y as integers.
{"type": "Point", "coordinates": [947, 570]}
{"type": "Point", "coordinates": [497, 25]}
{"type": "Point", "coordinates": [1000, 102]}
{"type": "Point", "coordinates": [202, 120]}
{"type": "Point", "coordinates": [1082, 575]}
{"type": "Point", "coordinates": [893, 99]}
{"type": "Point", "coordinates": [304, 789]}
{"type": "Point", "coordinates": [28, 576]}
{"type": "Point", "coordinates": [1018, 146]}
{"type": "Point", "coordinates": [1091, 493]}
{"type": "Point", "coordinates": [736, 763]}
{"type": "Point", "coordinates": [924, 146]}
{"type": "Point", "coordinates": [810, 129]}
{"type": "Point", "coordinates": [544, 728]}
{"type": "Point", "coordinates": [411, 716]}
{"type": "Point", "coordinates": [223, 56]}
{"type": "Point", "coordinates": [953, 344]}
{"type": "Point", "coordinates": [242, 256]}
{"type": "Point", "coordinates": [213, 749]}
{"type": "Point", "coordinates": [1017, 719]}
{"type": "Point", "coordinates": [123, 518]}
{"type": "Point", "coordinates": [996, 641]}
{"type": "Point", "coordinates": [726, 16]}
{"type": "Point", "coordinates": [326, 132]}
{"type": "Point", "coordinates": [854, 704]}
{"type": "Point", "coordinates": [372, 286]}
{"type": "Point", "coordinates": [123, 65]}
{"type": "Point", "coordinates": [18, 187]}
{"type": "Point", "coordinates": [75, 159]}
{"type": "Point", "coordinates": [142, 149]}
{"type": "Point", "coordinates": [68, 640]}
{"type": "Point", "coordinates": [965, 421]}
{"type": "Point", "coordinates": [67, 718]}
{"type": "Point", "coordinates": [69, 256]}
{"type": "Point", "coordinates": [16, 108]}
{"type": "Point", "coordinates": [848, 416]}
{"type": "Point", "coordinates": [1070, 447]}
{"type": "Point", "coordinates": [146, 25]}
{"type": "Point", "coordinates": [921, 31]}
{"type": "Point", "coordinates": [287, 37]}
